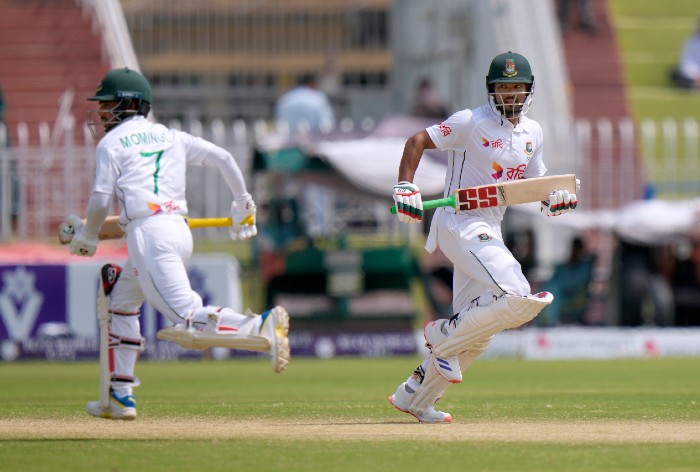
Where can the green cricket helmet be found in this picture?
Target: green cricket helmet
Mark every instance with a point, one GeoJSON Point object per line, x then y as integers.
{"type": "Point", "coordinates": [510, 68]}
{"type": "Point", "coordinates": [129, 89]}
{"type": "Point", "coordinates": [122, 83]}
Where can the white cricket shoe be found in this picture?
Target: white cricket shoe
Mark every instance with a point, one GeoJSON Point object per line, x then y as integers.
{"type": "Point", "coordinates": [275, 327]}
{"type": "Point", "coordinates": [401, 400]}
{"type": "Point", "coordinates": [448, 367]}
{"type": "Point", "coordinates": [120, 408]}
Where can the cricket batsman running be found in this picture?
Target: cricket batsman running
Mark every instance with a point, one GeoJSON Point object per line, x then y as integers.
{"type": "Point", "coordinates": [492, 143]}
{"type": "Point", "coordinates": [144, 164]}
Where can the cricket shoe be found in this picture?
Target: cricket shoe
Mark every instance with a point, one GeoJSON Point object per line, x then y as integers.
{"type": "Point", "coordinates": [275, 327]}
{"type": "Point", "coordinates": [401, 399]}
{"type": "Point", "coordinates": [120, 408]}
{"type": "Point", "coordinates": [447, 366]}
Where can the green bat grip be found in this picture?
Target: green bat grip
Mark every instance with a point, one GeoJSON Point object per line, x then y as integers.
{"type": "Point", "coordinates": [430, 204]}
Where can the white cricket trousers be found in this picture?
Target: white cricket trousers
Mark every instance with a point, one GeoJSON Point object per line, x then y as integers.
{"type": "Point", "coordinates": [159, 246]}
{"type": "Point", "coordinates": [483, 265]}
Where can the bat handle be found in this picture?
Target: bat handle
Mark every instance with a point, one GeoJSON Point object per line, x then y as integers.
{"type": "Point", "coordinates": [208, 222]}
{"type": "Point", "coordinates": [430, 204]}
{"type": "Point", "coordinates": [214, 222]}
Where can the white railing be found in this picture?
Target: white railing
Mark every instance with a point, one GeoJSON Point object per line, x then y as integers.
{"type": "Point", "coordinates": [622, 161]}
{"type": "Point", "coordinates": [618, 162]}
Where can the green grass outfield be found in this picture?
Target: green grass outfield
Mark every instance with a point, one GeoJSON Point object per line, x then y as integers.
{"type": "Point", "coordinates": [333, 415]}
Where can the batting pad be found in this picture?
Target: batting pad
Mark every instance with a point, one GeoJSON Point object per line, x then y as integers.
{"type": "Point", "coordinates": [430, 390]}
{"type": "Point", "coordinates": [479, 323]}
{"type": "Point", "coordinates": [203, 339]}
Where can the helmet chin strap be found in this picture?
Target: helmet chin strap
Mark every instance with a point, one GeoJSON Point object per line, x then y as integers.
{"type": "Point", "coordinates": [518, 110]}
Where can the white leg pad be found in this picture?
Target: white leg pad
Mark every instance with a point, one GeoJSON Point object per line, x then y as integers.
{"type": "Point", "coordinates": [191, 339]}
{"type": "Point", "coordinates": [448, 368]}
{"type": "Point", "coordinates": [479, 323]}
{"type": "Point", "coordinates": [467, 357]}
{"type": "Point", "coordinates": [125, 345]}
{"type": "Point", "coordinates": [429, 391]}
{"type": "Point", "coordinates": [451, 368]}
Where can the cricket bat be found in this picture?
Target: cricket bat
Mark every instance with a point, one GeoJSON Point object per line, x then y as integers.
{"type": "Point", "coordinates": [103, 318]}
{"type": "Point", "coordinates": [111, 230]}
{"type": "Point", "coordinates": [511, 192]}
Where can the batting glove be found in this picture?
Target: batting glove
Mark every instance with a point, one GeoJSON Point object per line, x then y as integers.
{"type": "Point", "coordinates": [560, 201]}
{"type": "Point", "coordinates": [68, 228]}
{"type": "Point", "coordinates": [243, 218]}
{"type": "Point", "coordinates": [83, 243]}
{"type": "Point", "coordinates": [409, 204]}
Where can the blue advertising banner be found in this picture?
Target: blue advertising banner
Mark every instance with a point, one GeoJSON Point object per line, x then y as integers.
{"type": "Point", "coordinates": [47, 311]}
{"type": "Point", "coordinates": [30, 296]}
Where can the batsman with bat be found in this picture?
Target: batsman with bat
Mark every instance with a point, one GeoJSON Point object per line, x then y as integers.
{"type": "Point", "coordinates": [144, 164]}
{"type": "Point", "coordinates": [486, 145]}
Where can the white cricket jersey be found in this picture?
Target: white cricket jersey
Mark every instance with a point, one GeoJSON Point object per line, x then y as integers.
{"type": "Point", "coordinates": [145, 164]}
{"type": "Point", "coordinates": [482, 150]}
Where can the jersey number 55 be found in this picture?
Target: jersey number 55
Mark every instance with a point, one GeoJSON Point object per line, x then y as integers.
{"type": "Point", "coordinates": [477, 197]}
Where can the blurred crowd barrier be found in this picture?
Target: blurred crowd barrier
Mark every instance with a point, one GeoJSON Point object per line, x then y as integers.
{"type": "Point", "coordinates": [645, 272]}
{"type": "Point", "coordinates": [618, 162]}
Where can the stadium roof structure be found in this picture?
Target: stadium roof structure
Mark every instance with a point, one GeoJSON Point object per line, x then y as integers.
{"type": "Point", "coordinates": [255, 6]}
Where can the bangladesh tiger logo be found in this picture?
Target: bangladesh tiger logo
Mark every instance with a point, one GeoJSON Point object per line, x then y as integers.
{"type": "Point", "coordinates": [509, 69]}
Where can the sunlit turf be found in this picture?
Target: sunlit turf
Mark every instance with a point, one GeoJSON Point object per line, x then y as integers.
{"type": "Point", "coordinates": [354, 391]}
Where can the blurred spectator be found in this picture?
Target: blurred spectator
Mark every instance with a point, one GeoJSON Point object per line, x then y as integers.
{"type": "Point", "coordinates": [331, 78]}
{"type": "Point", "coordinates": [438, 283]}
{"type": "Point", "coordinates": [585, 15]}
{"type": "Point", "coordinates": [9, 175]}
{"type": "Point", "coordinates": [427, 102]}
{"type": "Point", "coordinates": [687, 74]}
{"type": "Point", "coordinates": [644, 295]}
{"type": "Point", "coordinates": [686, 287]}
{"type": "Point", "coordinates": [570, 286]}
{"type": "Point", "coordinates": [522, 245]}
{"type": "Point", "coordinates": [305, 108]}
{"type": "Point", "coordinates": [2, 106]}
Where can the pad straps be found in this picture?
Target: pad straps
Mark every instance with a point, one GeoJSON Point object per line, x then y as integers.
{"type": "Point", "coordinates": [479, 323]}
